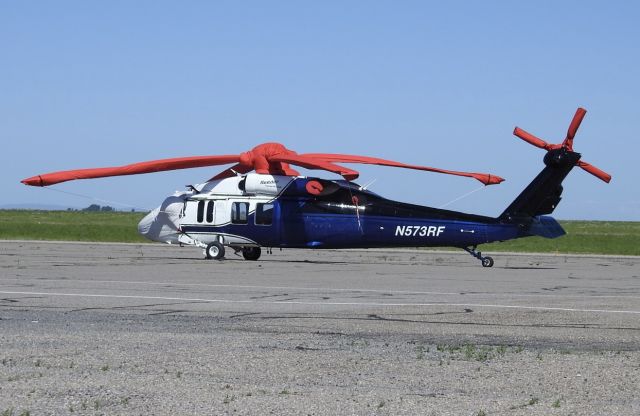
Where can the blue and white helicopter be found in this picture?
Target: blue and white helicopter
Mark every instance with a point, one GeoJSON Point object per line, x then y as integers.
{"type": "Point", "coordinates": [262, 202]}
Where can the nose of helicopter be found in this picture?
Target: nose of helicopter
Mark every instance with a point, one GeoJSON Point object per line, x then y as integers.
{"type": "Point", "coordinates": [162, 224]}
{"type": "Point", "coordinates": [146, 224]}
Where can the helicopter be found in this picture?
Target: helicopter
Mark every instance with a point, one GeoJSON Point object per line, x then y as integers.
{"type": "Point", "coordinates": [262, 202]}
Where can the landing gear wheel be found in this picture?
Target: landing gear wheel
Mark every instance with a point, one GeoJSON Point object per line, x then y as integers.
{"type": "Point", "coordinates": [214, 251]}
{"type": "Point", "coordinates": [487, 262]}
{"type": "Point", "coordinates": [251, 253]}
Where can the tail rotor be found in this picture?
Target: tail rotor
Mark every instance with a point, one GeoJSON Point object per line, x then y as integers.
{"type": "Point", "coordinates": [567, 144]}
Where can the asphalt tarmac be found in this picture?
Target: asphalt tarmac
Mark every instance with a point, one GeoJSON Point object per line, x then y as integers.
{"type": "Point", "coordinates": [152, 329]}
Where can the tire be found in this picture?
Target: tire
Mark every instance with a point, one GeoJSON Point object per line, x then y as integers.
{"type": "Point", "coordinates": [251, 253]}
{"type": "Point", "coordinates": [487, 262]}
{"type": "Point", "coordinates": [214, 251]}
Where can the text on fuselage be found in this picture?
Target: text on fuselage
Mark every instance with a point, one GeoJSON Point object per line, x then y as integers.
{"type": "Point", "coordinates": [419, 230]}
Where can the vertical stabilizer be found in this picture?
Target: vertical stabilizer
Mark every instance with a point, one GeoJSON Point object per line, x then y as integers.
{"type": "Point", "coordinates": [543, 194]}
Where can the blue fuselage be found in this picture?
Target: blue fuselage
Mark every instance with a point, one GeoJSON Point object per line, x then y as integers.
{"type": "Point", "coordinates": [345, 216]}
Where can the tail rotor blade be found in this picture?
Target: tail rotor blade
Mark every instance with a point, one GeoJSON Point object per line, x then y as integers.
{"type": "Point", "coordinates": [573, 127]}
{"type": "Point", "coordinates": [600, 174]}
{"type": "Point", "coordinates": [531, 139]}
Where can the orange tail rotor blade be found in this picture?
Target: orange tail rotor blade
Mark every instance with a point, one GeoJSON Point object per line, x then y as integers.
{"type": "Point", "coordinates": [598, 173]}
{"type": "Point", "coordinates": [573, 127]}
{"type": "Point", "coordinates": [531, 139]}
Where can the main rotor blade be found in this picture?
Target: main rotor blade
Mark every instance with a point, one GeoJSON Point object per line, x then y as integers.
{"type": "Point", "coordinates": [132, 169]}
{"type": "Point", "coordinates": [573, 127]}
{"type": "Point", "coordinates": [600, 174]}
{"type": "Point", "coordinates": [485, 178]}
{"type": "Point", "coordinates": [530, 138]}
{"type": "Point", "coordinates": [313, 163]}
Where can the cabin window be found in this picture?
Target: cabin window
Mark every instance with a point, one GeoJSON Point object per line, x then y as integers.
{"type": "Point", "coordinates": [239, 212]}
{"type": "Point", "coordinates": [210, 211]}
{"type": "Point", "coordinates": [200, 211]}
{"type": "Point", "coordinates": [264, 214]}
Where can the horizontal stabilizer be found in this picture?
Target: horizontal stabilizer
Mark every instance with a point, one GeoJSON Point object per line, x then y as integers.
{"type": "Point", "coordinates": [546, 227]}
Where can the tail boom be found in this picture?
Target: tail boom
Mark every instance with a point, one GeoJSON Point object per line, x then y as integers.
{"type": "Point", "coordinates": [543, 194]}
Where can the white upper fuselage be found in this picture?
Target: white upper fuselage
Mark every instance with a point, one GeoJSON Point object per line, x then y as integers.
{"type": "Point", "coordinates": [211, 203]}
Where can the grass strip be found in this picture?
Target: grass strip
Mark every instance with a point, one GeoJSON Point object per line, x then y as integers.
{"type": "Point", "coordinates": [583, 237]}
{"type": "Point", "coordinates": [119, 227]}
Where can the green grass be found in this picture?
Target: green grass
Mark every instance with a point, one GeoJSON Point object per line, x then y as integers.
{"type": "Point", "coordinates": [70, 226]}
{"type": "Point", "coordinates": [583, 237]}
{"type": "Point", "coordinates": [586, 237]}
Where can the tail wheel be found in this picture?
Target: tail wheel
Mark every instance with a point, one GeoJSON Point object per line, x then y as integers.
{"type": "Point", "coordinates": [486, 260]}
{"type": "Point", "coordinates": [251, 253]}
{"type": "Point", "coordinates": [214, 251]}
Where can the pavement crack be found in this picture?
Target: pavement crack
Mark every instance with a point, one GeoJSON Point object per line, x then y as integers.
{"type": "Point", "coordinates": [142, 307]}
{"type": "Point", "coordinates": [268, 296]}
{"type": "Point", "coordinates": [242, 315]}
{"type": "Point", "coordinates": [303, 348]}
{"type": "Point", "coordinates": [167, 312]}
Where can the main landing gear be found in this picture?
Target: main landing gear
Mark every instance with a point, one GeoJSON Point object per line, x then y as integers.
{"type": "Point", "coordinates": [215, 250]}
{"type": "Point", "coordinates": [486, 261]}
{"type": "Point", "coordinates": [251, 253]}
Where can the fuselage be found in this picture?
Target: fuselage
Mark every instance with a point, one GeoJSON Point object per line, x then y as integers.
{"type": "Point", "coordinates": [303, 212]}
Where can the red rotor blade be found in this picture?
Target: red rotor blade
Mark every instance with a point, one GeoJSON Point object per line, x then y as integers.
{"type": "Point", "coordinates": [600, 174]}
{"type": "Point", "coordinates": [313, 163]}
{"type": "Point", "coordinates": [573, 127]}
{"type": "Point", "coordinates": [485, 178]}
{"type": "Point", "coordinates": [530, 138]}
{"type": "Point", "coordinates": [132, 169]}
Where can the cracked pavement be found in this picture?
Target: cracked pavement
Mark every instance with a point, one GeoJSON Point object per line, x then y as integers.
{"type": "Point", "coordinates": [140, 329]}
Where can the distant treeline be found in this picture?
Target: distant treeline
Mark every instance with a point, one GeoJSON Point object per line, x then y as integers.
{"type": "Point", "coordinates": [98, 208]}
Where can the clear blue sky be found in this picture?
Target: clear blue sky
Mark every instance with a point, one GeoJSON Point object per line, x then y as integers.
{"type": "Point", "coordinates": [91, 84]}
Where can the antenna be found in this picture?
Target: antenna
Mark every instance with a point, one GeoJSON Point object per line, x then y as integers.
{"type": "Point", "coordinates": [368, 184]}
